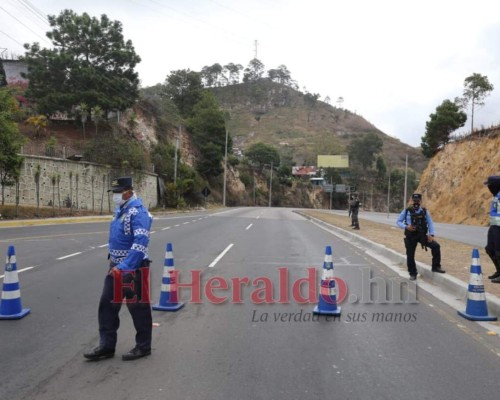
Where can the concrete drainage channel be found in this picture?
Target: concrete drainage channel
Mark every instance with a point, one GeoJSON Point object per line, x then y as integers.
{"type": "Point", "coordinates": [445, 287]}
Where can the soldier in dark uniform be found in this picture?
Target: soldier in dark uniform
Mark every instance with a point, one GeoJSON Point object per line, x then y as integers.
{"type": "Point", "coordinates": [493, 245]}
{"type": "Point", "coordinates": [419, 228]}
{"type": "Point", "coordinates": [355, 211]}
{"type": "Point", "coordinates": [351, 203]}
{"type": "Point", "coordinates": [128, 275]}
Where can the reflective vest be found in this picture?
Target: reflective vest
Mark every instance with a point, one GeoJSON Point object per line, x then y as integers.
{"type": "Point", "coordinates": [495, 211]}
{"type": "Point", "coordinates": [418, 220]}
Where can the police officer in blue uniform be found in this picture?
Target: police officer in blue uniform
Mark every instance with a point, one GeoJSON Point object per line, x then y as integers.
{"type": "Point", "coordinates": [128, 275]}
{"type": "Point", "coordinates": [419, 228]}
{"type": "Point", "coordinates": [493, 244]}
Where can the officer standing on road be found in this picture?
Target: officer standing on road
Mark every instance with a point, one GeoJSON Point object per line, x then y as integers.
{"type": "Point", "coordinates": [493, 244]}
{"type": "Point", "coordinates": [351, 203]}
{"type": "Point", "coordinates": [355, 211]}
{"type": "Point", "coordinates": [419, 228]}
{"type": "Point", "coordinates": [128, 275]}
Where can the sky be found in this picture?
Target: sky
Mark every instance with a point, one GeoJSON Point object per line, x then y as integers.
{"type": "Point", "coordinates": [392, 61]}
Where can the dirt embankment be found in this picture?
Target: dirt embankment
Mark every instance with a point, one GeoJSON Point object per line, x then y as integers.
{"type": "Point", "coordinates": [452, 184]}
{"type": "Point", "coordinates": [456, 256]}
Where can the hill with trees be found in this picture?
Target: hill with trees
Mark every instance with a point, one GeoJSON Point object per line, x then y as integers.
{"type": "Point", "coordinates": [86, 84]}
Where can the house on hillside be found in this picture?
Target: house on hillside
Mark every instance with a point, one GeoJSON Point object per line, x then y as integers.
{"type": "Point", "coordinates": [304, 171]}
{"type": "Point", "coordinates": [13, 70]}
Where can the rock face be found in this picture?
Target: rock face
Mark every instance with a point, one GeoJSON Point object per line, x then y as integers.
{"type": "Point", "coordinates": [452, 184]}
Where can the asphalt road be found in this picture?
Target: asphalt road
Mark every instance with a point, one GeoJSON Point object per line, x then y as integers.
{"type": "Point", "coordinates": [380, 348]}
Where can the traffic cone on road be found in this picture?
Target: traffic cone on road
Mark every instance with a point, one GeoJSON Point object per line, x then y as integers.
{"type": "Point", "coordinates": [477, 309]}
{"type": "Point", "coordinates": [168, 296]}
{"type": "Point", "coordinates": [10, 305]}
{"type": "Point", "coordinates": [328, 290]}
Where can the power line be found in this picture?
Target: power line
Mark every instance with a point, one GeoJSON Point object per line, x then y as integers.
{"type": "Point", "coordinates": [10, 37]}
{"type": "Point", "coordinates": [22, 23]}
{"type": "Point", "coordinates": [35, 11]}
{"type": "Point", "coordinates": [105, 80]}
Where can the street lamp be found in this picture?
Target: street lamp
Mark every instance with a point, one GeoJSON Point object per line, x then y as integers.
{"type": "Point", "coordinates": [271, 185]}
{"type": "Point", "coordinates": [406, 180]}
{"type": "Point", "coordinates": [225, 173]}
{"type": "Point", "coordinates": [389, 196]}
{"type": "Point", "coordinates": [175, 155]}
{"type": "Point", "coordinates": [226, 118]}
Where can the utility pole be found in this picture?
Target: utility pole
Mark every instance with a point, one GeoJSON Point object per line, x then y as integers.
{"type": "Point", "coordinates": [389, 196]}
{"type": "Point", "coordinates": [331, 193]}
{"type": "Point", "coordinates": [256, 44]}
{"type": "Point", "coordinates": [406, 180]}
{"type": "Point", "coordinates": [175, 156]}
{"type": "Point", "coordinates": [254, 188]}
{"type": "Point", "coordinates": [225, 170]}
{"type": "Point", "coordinates": [271, 185]}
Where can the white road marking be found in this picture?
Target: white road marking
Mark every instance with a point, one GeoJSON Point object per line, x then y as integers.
{"type": "Point", "coordinates": [220, 256]}
{"type": "Point", "coordinates": [248, 227]}
{"type": "Point", "coordinates": [103, 245]}
{"type": "Point", "coordinates": [185, 223]}
{"type": "Point", "coordinates": [68, 256]}
{"type": "Point", "coordinates": [22, 270]}
{"type": "Point", "coordinates": [164, 229]}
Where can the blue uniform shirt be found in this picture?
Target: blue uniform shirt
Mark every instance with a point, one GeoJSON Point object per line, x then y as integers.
{"type": "Point", "coordinates": [495, 210]}
{"type": "Point", "coordinates": [401, 220]}
{"type": "Point", "coordinates": [129, 235]}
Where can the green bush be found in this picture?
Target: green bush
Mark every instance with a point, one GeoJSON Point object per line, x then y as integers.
{"type": "Point", "coordinates": [117, 151]}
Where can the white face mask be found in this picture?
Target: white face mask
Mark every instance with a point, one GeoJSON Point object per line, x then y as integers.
{"type": "Point", "coordinates": [117, 199]}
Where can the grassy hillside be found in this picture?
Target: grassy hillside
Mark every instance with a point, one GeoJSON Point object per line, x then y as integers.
{"type": "Point", "coordinates": [275, 114]}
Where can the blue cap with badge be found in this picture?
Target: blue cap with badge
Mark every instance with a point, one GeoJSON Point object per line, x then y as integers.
{"type": "Point", "coordinates": [118, 185]}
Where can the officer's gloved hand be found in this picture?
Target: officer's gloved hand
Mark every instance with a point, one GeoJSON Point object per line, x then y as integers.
{"type": "Point", "coordinates": [411, 228]}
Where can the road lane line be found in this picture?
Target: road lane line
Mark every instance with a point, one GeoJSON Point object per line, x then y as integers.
{"type": "Point", "coordinates": [176, 225]}
{"type": "Point", "coordinates": [220, 256]}
{"type": "Point", "coordinates": [164, 229]}
{"type": "Point", "coordinates": [22, 270]}
{"type": "Point", "coordinates": [248, 227]}
{"type": "Point", "coordinates": [68, 256]}
{"type": "Point", "coordinates": [185, 223]}
{"type": "Point", "coordinates": [46, 237]}
{"type": "Point", "coordinates": [103, 245]}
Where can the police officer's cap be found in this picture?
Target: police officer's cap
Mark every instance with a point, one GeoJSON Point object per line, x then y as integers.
{"type": "Point", "coordinates": [493, 183]}
{"type": "Point", "coordinates": [118, 185]}
{"type": "Point", "coordinates": [416, 197]}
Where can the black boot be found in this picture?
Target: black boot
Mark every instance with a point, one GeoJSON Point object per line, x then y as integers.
{"type": "Point", "coordinates": [496, 261]}
{"type": "Point", "coordinates": [495, 275]}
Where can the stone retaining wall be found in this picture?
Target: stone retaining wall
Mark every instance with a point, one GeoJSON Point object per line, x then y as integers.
{"type": "Point", "coordinates": [82, 184]}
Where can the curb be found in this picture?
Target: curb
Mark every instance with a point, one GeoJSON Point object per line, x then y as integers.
{"type": "Point", "coordinates": [9, 223]}
{"type": "Point", "coordinates": [458, 288]}
{"type": "Point", "coordinates": [53, 221]}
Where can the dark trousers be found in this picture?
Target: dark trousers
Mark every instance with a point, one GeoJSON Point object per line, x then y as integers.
{"type": "Point", "coordinates": [355, 220]}
{"type": "Point", "coordinates": [493, 245]}
{"type": "Point", "coordinates": [411, 243]}
{"type": "Point", "coordinates": [134, 288]}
